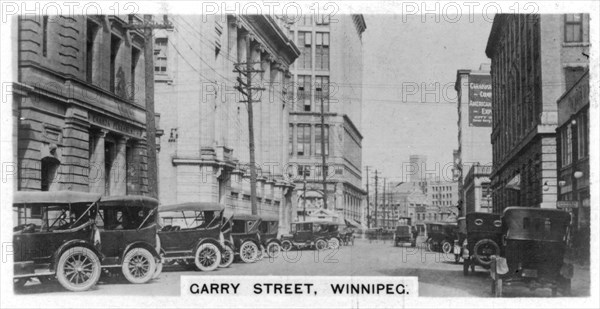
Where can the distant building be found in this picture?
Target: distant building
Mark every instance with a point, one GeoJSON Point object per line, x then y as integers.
{"type": "Point", "coordinates": [204, 153]}
{"type": "Point", "coordinates": [477, 191]}
{"type": "Point", "coordinates": [82, 119]}
{"type": "Point", "coordinates": [474, 89]}
{"type": "Point", "coordinates": [327, 71]}
{"type": "Point", "coordinates": [417, 168]}
{"type": "Point", "coordinates": [535, 59]}
{"type": "Point", "coordinates": [573, 157]}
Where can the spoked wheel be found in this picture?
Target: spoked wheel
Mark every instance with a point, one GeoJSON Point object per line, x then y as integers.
{"type": "Point", "coordinates": [334, 243]}
{"type": "Point", "coordinates": [273, 249]}
{"type": "Point", "coordinates": [78, 269]}
{"type": "Point", "coordinates": [249, 252]}
{"type": "Point", "coordinates": [286, 245]}
{"type": "Point", "coordinates": [139, 266]}
{"type": "Point", "coordinates": [321, 244]}
{"type": "Point", "coordinates": [446, 247]}
{"type": "Point", "coordinates": [227, 257]}
{"type": "Point", "coordinates": [208, 257]}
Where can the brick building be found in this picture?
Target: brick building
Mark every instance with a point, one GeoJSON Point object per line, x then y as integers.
{"type": "Point", "coordinates": [81, 109]}
{"type": "Point", "coordinates": [535, 59]}
{"type": "Point", "coordinates": [329, 69]}
{"type": "Point", "coordinates": [204, 153]}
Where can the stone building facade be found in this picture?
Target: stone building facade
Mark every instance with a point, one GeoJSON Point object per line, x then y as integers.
{"type": "Point", "coordinates": [204, 153]}
{"type": "Point", "coordinates": [534, 59]}
{"type": "Point", "coordinates": [329, 69]}
{"type": "Point", "coordinates": [80, 105]}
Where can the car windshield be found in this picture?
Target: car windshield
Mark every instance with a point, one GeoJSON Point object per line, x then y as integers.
{"type": "Point", "coordinates": [50, 218]}
{"type": "Point", "coordinates": [124, 218]}
{"type": "Point", "coordinates": [190, 219]}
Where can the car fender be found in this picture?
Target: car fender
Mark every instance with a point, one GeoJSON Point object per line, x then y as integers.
{"type": "Point", "coordinates": [208, 240]}
{"type": "Point", "coordinates": [140, 244]}
{"type": "Point", "coordinates": [275, 240]}
{"type": "Point", "coordinates": [74, 243]}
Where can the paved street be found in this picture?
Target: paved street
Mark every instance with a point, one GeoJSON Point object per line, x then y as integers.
{"type": "Point", "coordinates": [438, 276]}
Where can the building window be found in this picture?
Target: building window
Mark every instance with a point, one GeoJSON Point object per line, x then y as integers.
{"type": "Point", "coordinates": [322, 92]}
{"type": "Point", "coordinates": [305, 45]}
{"type": "Point", "coordinates": [304, 93]}
{"type": "Point", "coordinates": [566, 146]}
{"type": "Point", "coordinates": [92, 30]}
{"type": "Point", "coordinates": [115, 44]}
{"type": "Point", "coordinates": [582, 136]}
{"type": "Point", "coordinates": [573, 27]}
{"type": "Point", "coordinates": [322, 19]}
{"type": "Point", "coordinates": [322, 51]}
{"type": "Point", "coordinates": [291, 140]}
{"type": "Point", "coordinates": [572, 75]}
{"type": "Point", "coordinates": [303, 147]}
{"type": "Point", "coordinates": [306, 20]}
{"type": "Point", "coordinates": [109, 158]}
{"type": "Point", "coordinates": [304, 170]}
{"type": "Point", "coordinates": [45, 36]}
{"type": "Point", "coordinates": [135, 57]}
{"type": "Point", "coordinates": [318, 139]}
{"type": "Point", "coordinates": [160, 55]}
{"type": "Point", "coordinates": [49, 173]}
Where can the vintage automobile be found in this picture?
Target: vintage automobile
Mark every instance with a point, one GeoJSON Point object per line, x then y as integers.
{"type": "Point", "coordinates": [441, 236]}
{"type": "Point", "coordinates": [311, 234]}
{"type": "Point", "coordinates": [228, 253]}
{"type": "Point", "coordinates": [482, 241]}
{"type": "Point", "coordinates": [128, 229]}
{"type": "Point", "coordinates": [405, 232]}
{"type": "Point", "coordinates": [268, 228]}
{"type": "Point", "coordinates": [461, 236]}
{"type": "Point", "coordinates": [534, 241]}
{"type": "Point", "coordinates": [246, 237]}
{"type": "Point", "coordinates": [55, 237]}
{"type": "Point", "coordinates": [191, 234]}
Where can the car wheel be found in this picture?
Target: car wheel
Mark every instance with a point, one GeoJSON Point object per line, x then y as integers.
{"type": "Point", "coordinates": [138, 266]}
{"type": "Point", "coordinates": [334, 243]}
{"type": "Point", "coordinates": [78, 269]}
{"type": "Point", "coordinates": [446, 247]}
{"type": "Point", "coordinates": [286, 245]}
{"type": "Point", "coordinates": [227, 257]}
{"type": "Point", "coordinates": [321, 244]}
{"type": "Point", "coordinates": [483, 250]}
{"type": "Point", "coordinates": [273, 248]}
{"type": "Point", "coordinates": [466, 263]}
{"type": "Point", "coordinates": [208, 257]}
{"type": "Point", "coordinates": [249, 252]}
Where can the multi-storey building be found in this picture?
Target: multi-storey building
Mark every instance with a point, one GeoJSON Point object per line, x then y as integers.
{"type": "Point", "coordinates": [573, 158]}
{"type": "Point", "coordinates": [535, 59]}
{"type": "Point", "coordinates": [328, 73]}
{"type": "Point", "coordinates": [83, 110]}
{"type": "Point", "coordinates": [477, 193]}
{"type": "Point", "coordinates": [204, 154]}
{"type": "Point", "coordinates": [474, 95]}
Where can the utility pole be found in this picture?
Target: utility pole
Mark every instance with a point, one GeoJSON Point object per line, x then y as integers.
{"type": "Point", "coordinates": [368, 201]}
{"type": "Point", "coordinates": [147, 26]}
{"type": "Point", "coordinates": [323, 156]}
{"type": "Point", "coordinates": [304, 196]}
{"type": "Point", "coordinates": [376, 197]}
{"type": "Point", "coordinates": [246, 89]}
{"type": "Point", "coordinates": [384, 205]}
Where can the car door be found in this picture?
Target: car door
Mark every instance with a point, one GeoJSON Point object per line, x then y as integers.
{"type": "Point", "coordinates": [304, 232]}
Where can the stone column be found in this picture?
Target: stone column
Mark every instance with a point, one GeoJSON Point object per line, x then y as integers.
{"type": "Point", "coordinates": [97, 174]}
{"type": "Point", "coordinates": [118, 185]}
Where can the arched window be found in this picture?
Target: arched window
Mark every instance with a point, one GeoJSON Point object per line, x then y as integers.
{"type": "Point", "coordinates": [49, 172]}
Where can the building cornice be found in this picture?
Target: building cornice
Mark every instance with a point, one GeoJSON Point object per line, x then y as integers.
{"type": "Point", "coordinates": [267, 32]}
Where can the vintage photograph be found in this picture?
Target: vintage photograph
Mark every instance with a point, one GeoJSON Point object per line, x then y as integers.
{"type": "Point", "coordinates": [429, 141]}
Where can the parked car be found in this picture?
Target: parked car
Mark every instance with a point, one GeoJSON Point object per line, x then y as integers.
{"type": "Point", "coordinates": [128, 229]}
{"type": "Point", "coordinates": [268, 228]}
{"type": "Point", "coordinates": [246, 237]}
{"type": "Point", "coordinates": [55, 237]}
{"type": "Point", "coordinates": [228, 254]}
{"type": "Point", "coordinates": [535, 241]}
{"type": "Point", "coordinates": [191, 234]}
{"type": "Point", "coordinates": [483, 239]}
{"type": "Point", "coordinates": [311, 234]}
{"type": "Point", "coordinates": [405, 232]}
{"type": "Point", "coordinates": [441, 236]}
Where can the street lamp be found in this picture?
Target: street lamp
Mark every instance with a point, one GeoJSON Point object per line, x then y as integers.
{"type": "Point", "coordinates": [545, 187]}
{"type": "Point", "coordinates": [578, 174]}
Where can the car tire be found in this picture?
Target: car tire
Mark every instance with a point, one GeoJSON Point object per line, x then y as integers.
{"type": "Point", "coordinates": [273, 248]}
{"type": "Point", "coordinates": [321, 244]}
{"type": "Point", "coordinates": [75, 264]}
{"type": "Point", "coordinates": [481, 259]}
{"type": "Point", "coordinates": [333, 243]}
{"type": "Point", "coordinates": [446, 247]}
{"type": "Point", "coordinates": [249, 252]}
{"type": "Point", "coordinates": [286, 245]}
{"type": "Point", "coordinates": [227, 257]}
{"type": "Point", "coordinates": [138, 266]}
{"type": "Point", "coordinates": [207, 257]}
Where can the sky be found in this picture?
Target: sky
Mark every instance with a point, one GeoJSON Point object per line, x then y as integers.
{"type": "Point", "coordinates": [402, 56]}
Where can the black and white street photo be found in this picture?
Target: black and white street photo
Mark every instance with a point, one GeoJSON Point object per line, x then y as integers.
{"type": "Point", "coordinates": [147, 143]}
